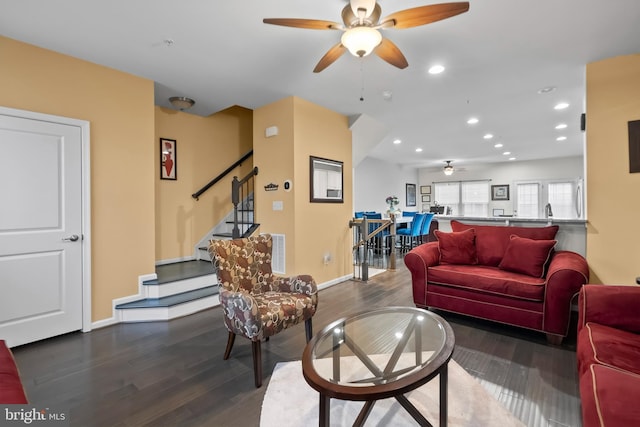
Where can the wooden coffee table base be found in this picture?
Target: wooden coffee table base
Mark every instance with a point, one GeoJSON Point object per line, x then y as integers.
{"type": "Point", "coordinates": [325, 406]}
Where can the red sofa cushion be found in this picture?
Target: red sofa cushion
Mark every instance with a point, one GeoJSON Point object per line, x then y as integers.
{"type": "Point", "coordinates": [608, 346]}
{"type": "Point", "coordinates": [492, 240]}
{"type": "Point", "coordinates": [527, 256]}
{"type": "Point", "coordinates": [489, 280]}
{"type": "Point", "coordinates": [457, 248]}
{"type": "Point", "coordinates": [609, 397]}
{"type": "Point", "coordinates": [11, 391]}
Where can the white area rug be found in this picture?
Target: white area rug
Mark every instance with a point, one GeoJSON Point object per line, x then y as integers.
{"type": "Point", "coordinates": [291, 402]}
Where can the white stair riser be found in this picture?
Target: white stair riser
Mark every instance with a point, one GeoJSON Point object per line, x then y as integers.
{"type": "Point", "coordinates": [168, 313]}
{"type": "Point", "coordinates": [178, 287]}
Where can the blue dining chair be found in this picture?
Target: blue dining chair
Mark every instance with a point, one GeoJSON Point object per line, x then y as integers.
{"type": "Point", "coordinates": [426, 225]}
{"type": "Point", "coordinates": [412, 233]}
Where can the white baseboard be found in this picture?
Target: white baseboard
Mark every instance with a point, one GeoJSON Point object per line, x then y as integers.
{"type": "Point", "coordinates": [330, 283]}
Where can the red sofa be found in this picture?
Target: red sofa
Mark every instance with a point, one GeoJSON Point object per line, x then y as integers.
{"type": "Point", "coordinates": [11, 390]}
{"type": "Point", "coordinates": [608, 352]}
{"type": "Point", "coordinates": [505, 274]}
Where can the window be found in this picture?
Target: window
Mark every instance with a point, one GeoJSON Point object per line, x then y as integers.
{"type": "Point", "coordinates": [467, 198]}
{"type": "Point", "coordinates": [562, 199]}
{"type": "Point", "coordinates": [531, 198]}
{"type": "Point", "coordinates": [447, 194]}
{"type": "Point", "coordinates": [527, 196]}
{"type": "Point", "coordinates": [475, 198]}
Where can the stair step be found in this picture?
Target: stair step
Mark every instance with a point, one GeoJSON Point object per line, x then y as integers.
{"type": "Point", "coordinates": [229, 235]}
{"type": "Point", "coordinates": [168, 273]}
{"type": "Point", "coordinates": [172, 300]}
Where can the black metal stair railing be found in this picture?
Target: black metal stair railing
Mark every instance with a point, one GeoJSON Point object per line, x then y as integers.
{"type": "Point", "coordinates": [373, 245]}
{"type": "Point", "coordinates": [242, 197]}
{"type": "Point", "coordinates": [242, 192]}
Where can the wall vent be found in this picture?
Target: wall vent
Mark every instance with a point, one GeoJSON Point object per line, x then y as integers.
{"type": "Point", "coordinates": [278, 254]}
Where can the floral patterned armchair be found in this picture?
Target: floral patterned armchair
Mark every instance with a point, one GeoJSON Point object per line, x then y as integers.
{"type": "Point", "coordinates": [256, 303]}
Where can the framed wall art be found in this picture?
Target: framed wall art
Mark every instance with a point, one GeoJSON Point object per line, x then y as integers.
{"type": "Point", "coordinates": [499, 192]}
{"type": "Point", "coordinates": [168, 161]}
{"type": "Point", "coordinates": [426, 198]}
{"type": "Point", "coordinates": [411, 194]}
{"type": "Point", "coordinates": [425, 189]}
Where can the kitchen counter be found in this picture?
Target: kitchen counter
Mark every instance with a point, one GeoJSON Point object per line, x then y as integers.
{"type": "Point", "coordinates": [507, 220]}
{"type": "Point", "coordinates": [572, 234]}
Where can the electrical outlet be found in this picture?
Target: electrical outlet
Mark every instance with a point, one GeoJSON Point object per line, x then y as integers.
{"type": "Point", "coordinates": [326, 258]}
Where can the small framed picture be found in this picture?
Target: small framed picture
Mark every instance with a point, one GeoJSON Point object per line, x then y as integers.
{"type": "Point", "coordinates": [500, 192]}
{"type": "Point", "coordinates": [411, 194]}
{"type": "Point", "coordinates": [426, 198]}
{"type": "Point", "coordinates": [425, 189]}
{"type": "Point", "coordinates": [498, 212]}
{"type": "Point", "coordinates": [168, 162]}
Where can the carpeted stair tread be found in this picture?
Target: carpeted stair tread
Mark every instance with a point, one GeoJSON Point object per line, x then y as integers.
{"type": "Point", "coordinates": [171, 300]}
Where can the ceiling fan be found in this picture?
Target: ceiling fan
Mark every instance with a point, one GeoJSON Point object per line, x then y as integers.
{"type": "Point", "coordinates": [361, 27]}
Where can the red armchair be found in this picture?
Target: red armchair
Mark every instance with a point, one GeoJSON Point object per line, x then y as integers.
{"type": "Point", "coordinates": [11, 390]}
{"type": "Point", "coordinates": [608, 353]}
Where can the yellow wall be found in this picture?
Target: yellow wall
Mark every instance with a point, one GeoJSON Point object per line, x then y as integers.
{"type": "Point", "coordinates": [205, 147]}
{"type": "Point", "coordinates": [119, 107]}
{"type": "Point", "coordinates": [311, 229]}
{"type": "Point", "coordinates": [613, 202]}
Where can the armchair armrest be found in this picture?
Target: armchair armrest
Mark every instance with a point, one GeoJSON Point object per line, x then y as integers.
{"type": "Point", "coordinates": [417, 261]}
{"type": "Point", "coordinates": [241, 315]}
{"type": "Point", "coordinates": [302, 284]}
{"type": "Point", "coordinates": [567, 273]}
{"type": "Point", "coordinates": [610, 305]}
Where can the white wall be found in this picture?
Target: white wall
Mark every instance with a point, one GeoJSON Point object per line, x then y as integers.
{"type": "Point", "coordinates": [508, 173]}
{"type": "Point", "coordinates": [374, 180]}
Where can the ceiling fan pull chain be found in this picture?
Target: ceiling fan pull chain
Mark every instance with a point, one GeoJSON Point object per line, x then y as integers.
{"type": "Point", "coordinates": [362, 79]}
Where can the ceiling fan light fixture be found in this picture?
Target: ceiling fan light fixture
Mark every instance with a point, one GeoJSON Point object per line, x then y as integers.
{"type": "Point", "coordinates": [182, 102]}
{"type": "Point", "coordinates": [361, 41]}
{"type": "Point", "coordinates": [448, 169]}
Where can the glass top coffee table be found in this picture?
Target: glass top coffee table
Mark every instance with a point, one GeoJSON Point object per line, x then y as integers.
{"type": "Point", "coordinates": [379, 354]}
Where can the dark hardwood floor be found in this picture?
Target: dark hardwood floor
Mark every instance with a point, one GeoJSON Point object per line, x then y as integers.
{"type": "Point", "coordinates": [172, 373]}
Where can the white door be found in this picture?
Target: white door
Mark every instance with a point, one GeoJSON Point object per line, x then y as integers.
{"type": "Point", "coordinates": [40, 229]}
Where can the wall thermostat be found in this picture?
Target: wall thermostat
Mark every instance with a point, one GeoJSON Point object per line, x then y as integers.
{"type": "Point", "coordinates": [287, 185]}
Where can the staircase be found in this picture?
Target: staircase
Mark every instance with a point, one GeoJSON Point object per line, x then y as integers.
{"type": "Point", "coordinates": [180, 289]}
{"type": "Point", "coordinates": [186, 287]}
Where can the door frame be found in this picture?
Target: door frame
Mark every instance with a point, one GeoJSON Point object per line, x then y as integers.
{"type": "Point", "coordinates": [86, 198]}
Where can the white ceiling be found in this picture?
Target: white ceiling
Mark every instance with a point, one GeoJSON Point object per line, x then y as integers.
{"type": "Point", "coordinates": [497, 56]}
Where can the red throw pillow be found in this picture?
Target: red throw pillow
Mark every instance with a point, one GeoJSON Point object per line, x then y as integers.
{"type": "Point", "coordinates": [527, 256]}
{"type": "Point", "coordinates": [457, 247]}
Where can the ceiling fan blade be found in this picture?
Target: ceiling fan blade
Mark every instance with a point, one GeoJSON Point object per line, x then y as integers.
{"type": "Point", "coordinates": [424, 15]}
{"type": "Point", "coordinates": [330, 57]}
{"type": "Point", "coordinates": [312, 24]}
{"type": "Point", "coordinates": [388, 51]}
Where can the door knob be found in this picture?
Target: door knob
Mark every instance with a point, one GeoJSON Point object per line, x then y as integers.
{"type": "Point", "coordinates": [73, 238]}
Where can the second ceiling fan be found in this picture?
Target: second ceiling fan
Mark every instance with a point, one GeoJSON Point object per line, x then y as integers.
{"type": "Point", "coordinates": [361, 25]}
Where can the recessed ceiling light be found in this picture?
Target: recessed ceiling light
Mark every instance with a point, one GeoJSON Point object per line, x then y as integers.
{"type": "Point", "coordinates": [418, 150]}
{"type": "Point", "coordinates": [561, 126]}
{"type": "Point", "coordinates": [512, 158]}
{"type": "Point", "coordinates": [473, 120]}
{"type": "Point", "coordinates": [436, 69]}
{"type": "Point", "coordinates": [547, 89]}
{"type": "Point", "coordinates": [387, 95]}
{"type": "Point", "coordinates": [397, 141]}
{"type": "Point", "coordinates": [561, 106]}
{"type": "Point", "coordinates": [488, 136]}
{"type": "Point", "coordinates": [498, 145]}
{"type": "Point", "coordinates": [506, 153]}
{"type": "Point", "coordinates": [561, 138]}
